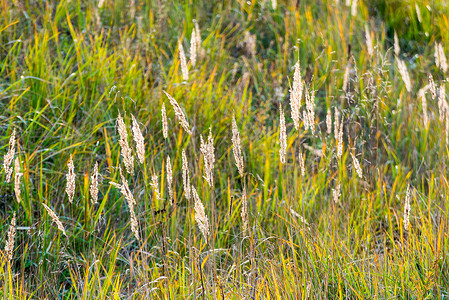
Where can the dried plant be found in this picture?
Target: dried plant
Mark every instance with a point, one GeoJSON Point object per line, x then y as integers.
{"type": "Point", "coordinates": [404, 74]}
{"type": "Point", "coordinates": [336, 193]}
{"type": "Point", "coordinates": [302, 163]}
{"type": "Point", "coordinates": [407, 209]}
{"type": "Point", "coordinates": [369, 41]}
{"type": "Point", "coordinates": [244, 212]}
{"type": "Point", "coordinates": [236, 148]}
{"type": "Point", "coordinates": [94, 184]}
{"type": "Point", "coordinates": [9, 247]}
{"type": "Point", "coordinates": [338, 132]}
{"type": "Point", "coordinates": [397, 48]}
{"type": "Point", "coordinates": [329, 121]}
{"type": "Point", "coordinates": [179, 113]}
{"type": "Point", "coordinates": [193, 48]}
{"type": "Point", "coordinates": [138, 138]}
{"type": "Point", "coordinates": [310, 111]}
{"type": "Point", "coordinates": [185, 175]}
{"type": "Point", "coordinates": [200, 215]}
{"type": "Point", "coordinates": [9, 156]}
{"type": "Point", "coordinates": [155, 185]}
{"type": "Point", "coordinates": [169, 179]}
{"type": "Point", "coordinates": [354, 8]}
{"type": "Point", "coordinates": [126, 153]}
{"type": "Point", "coordinates": [164, 122]}
{"type": "Point", "coordinates": [282, 137]}
{"type": "Point", "coordinates": [432, 87]}
{"type": "Point", "coordinates": [182, 58]}
{"type": "Point", "coordinates": [70, 187]}
{"type": "Point", "coordinates": [422, 95]}
{"type": "Point", "coordinates": [440, 57]}
{"type": "Point", "coordinates": [17, 177]}
{"type": "Point", "coordinates": [55, 219]}
{"type": "Point", "coordinates": [126, 192]}
{"type": "Point", "coordinates": [200, 51]}
{"type": "Point", "coordinates": [357, 167]}
{"type": "Point", "coordinates": [207, 149]}
{"type": "Point", "coordinates": [296, 95]}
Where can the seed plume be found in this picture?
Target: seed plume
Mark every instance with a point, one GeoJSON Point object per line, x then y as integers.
{"type": "Point", "coordinates": [138, 138]}
{"type": "Point", "coordinates": [126, 153]}
{"type": "Point", "coordinates": [407, 209]}
{"type": "Point", "coordinates": [282, 137]}
{"type": "Point", "coordinates": [404, 74]}
{"type": "Point", "coordinates": [94, 184]}
{"type": "Point", "coordinates": [17, 177]}
{"type": "Point", "coordinates": [155, 184]}
{"type": "Point", "coordinates": [329, 121]}
{"type": "Point", "coordinates": [397, 48]}
{"type": "Point", "coordinates": [55, 218]}
{"type": "Point", "coordinates": [236, 146]}
{"type": "Point", "coordinates": [164, 122]}
{"type": "Point", "coordinates": [193, 48]}
{"type": "Point", "coordinates": [169, 179]}
{"type": "Point", "coordinates": [200, 215]}
{"type": "Point", "coordinates": [296, 94]}
{"type": "Point", "coordinates": [185, 175]}
{"type": "Point", "coordinates": [9, 247]}
{"type": "Point", "coordinates": [9, 156]}
{"type": "Point", "coordinates": [179, 113]}
{"type": "Point", "coordinates": [369, 41]}
{"type": "Point", "coordinates": [182, 58]}
{"type": "Point", "coordinates": [70, 187]}
{"type": "Point", "coordinates": [207, 149]}
{"type": "Point", "coordinates": [357, 167]}
{"type": "Point", "coordinates": [302, 158]}
{"type": "Point", "coordinates": [336, 193]}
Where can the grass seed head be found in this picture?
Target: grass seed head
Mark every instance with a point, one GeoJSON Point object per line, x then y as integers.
{"type": "Point", "coordinates": [70, 187]}
{"type": "Point", "coordinates": [282, 136]}
{"type": "Point", "coordinates": [55, 218]}
{"type": "Point", "coordinates": [236, 148]}
{"type": "Point", "coordinates": [17, 178]}
{"type": "Point", "coordinates": [200, 215]}
{"type": "Point", "coordinates": [179, 113]}
{"type": "Point", "coordinates": [182, 58]}
{"type": "Point", "coordinates": [126, 152]}
{"type": "Point", "coordinates": [9, 247]}
{"type": "Point", "coordinates": [94, 184]}
{"type": "Point", "coordinates": [9, 156]}
{"type": "Point", "coordinates": [140, 142]}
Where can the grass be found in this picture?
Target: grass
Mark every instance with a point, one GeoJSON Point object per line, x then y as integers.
{"type": "Point", "coordinates": [68, 68]}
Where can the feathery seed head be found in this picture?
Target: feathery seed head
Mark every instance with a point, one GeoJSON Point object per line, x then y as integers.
{"type": "Point", "coordinates": [357, 167]}
{"type": "Point", "coordinates": [164, 122]}
{"type": "Point", "coordinates": [9, 156]}
{"type": "Point", "coordinates": [185, 175]}
{"type": "Point", "coordinates": [296, 94]}
{"type": "Point", "coordinates": [200, 215]}
{"type": "Point", "coordinates": [55, 218]}
{"type": "Point", "coordinates": [94, 184]}
{"type": "Point", "coordinates": [126, 153]}
{"type": "Point", "coordinates": [182, 58]}
{"type": "Point", "coordinates": [404, 74]}
{"type": "Point", "coordinates": [329, 121]}
{"type": "Point", "coordinates": [169, 179]}
{"type": "Point", "coordinates": [179, 113]}
{"type": "Point", "coordinates": [17, 177]}
{"type": "Point", "coordinates": [138, 138]}
{"type": "Point", "coordinates": [282, 136]}
{"type": "Point", "coordinates": [9, 247]}
{"type": "Point", "coordinates": [236, 146]}
{"type": "Point", "coordinates": [407, 208]}
{"type": "Point", "coordinates": [207, 149]}
{"type": "Point", "coordinates": [244, 212]}
{"type": "Point", "coordinates": [70, 187]}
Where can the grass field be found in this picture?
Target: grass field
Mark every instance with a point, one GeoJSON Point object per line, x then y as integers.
{"type": "Point", "coordinates": [260, 149]}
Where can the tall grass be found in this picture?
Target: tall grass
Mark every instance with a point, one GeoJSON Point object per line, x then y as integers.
{"type": "Point", "coordinates": [350, 203]}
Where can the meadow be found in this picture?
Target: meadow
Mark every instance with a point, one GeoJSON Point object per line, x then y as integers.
{"type": "Point", "coordinates": [261, 149]}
